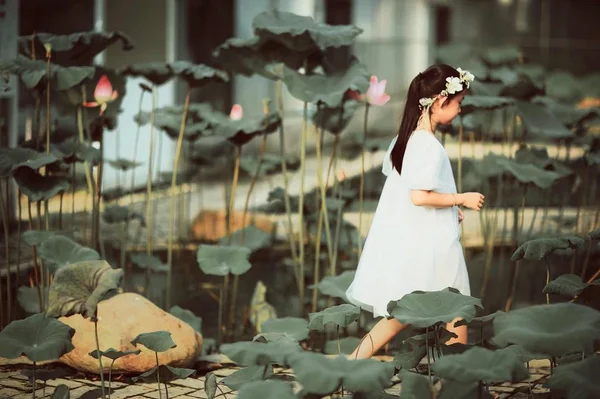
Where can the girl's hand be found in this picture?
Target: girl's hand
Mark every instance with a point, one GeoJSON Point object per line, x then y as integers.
{"type": "Point", "coordinates": [461, 216]}
{"type": "Point", "coordinates": [472, 200]}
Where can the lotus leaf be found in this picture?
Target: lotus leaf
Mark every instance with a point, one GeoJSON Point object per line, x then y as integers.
{"type": "Point", "coordinates": [221, 260]}
{"type": "Point", "coordinates": [577, 380]}
{"type": "Point", "coordinates": [243, 56]}
{"type": "Point", "coordinates": [248, 374]}
{"type": "Point", "coordinates": [188, 317]}
{"type": "Point", "coordinates": [257, 353]}
{"type": "Point", "coordinates": [283, 338]}
{"type": "Point", "coordinates": [165, 374]}
{"type": "Point", "coordinates": [592, 158]}
{"type": "Point", "coordinates": [198, 75]}
{"type": "Point", "coordinates": [540, 122]}
{"type": "Point", "coordinates": [123, 164]}
{"type": "Point", "coordinates": [563, 86]}
{"type": "Point", "coordinates": [334, 119]}
{"type": "Point", "coordinates": [61, 392]}
{"type": "Point", "coordinates": [567, 115]}
{"type": "Point", "coordinates": [302, 33]}
{"type": "Point", "coordinates": [480, 364]}
{"type": "Point", "coordinates": [536, 330]}
{"type": "Point", "coordinates": [37, 187]}
{"type": "Point", "coordinates": [336, 286]}
{"type": "Point", "coordinates": [569, 285]}
{"type": "Point", "coordinates": [507, 76]}
{"type": "Point", "coordinates": [150, 262]}
{"type": "Point", "coordinates": [240, 132]}
{"type": "Point", "coordinates": [539, 248]}
{"type": "Point", "coordinates": [479, 322]}
{"type": "Point", "coordinates": [44, 374]}
{"type": "Point", "coordinates": [502, 55]}
{"type": "Point", "coordinates": [455, 390]}
{"type": "Point", "coordinates": [77, 288]}
{"type": "Point", "coordinates": [415, 386]}
{"type": "Point", "coordinates": [119, 213]}
{"type": "Point", "coordinates": [60, 251]}
{"type": "Point", "coordinates": [14, 158]}
{"type": "Point", "coordinates": [344, 345]}
{"type": "Point", "coordinates": [409, 355]}
{"type": "Point", "coordinates": [250, 237]}
{"type": "Point", "coordinates": [157, 341]}
{"type": "Point", "coordinates": [171, 124]}
{"type": "Point", "coordinates": [80, 47]}
{"type": "Point", "coordinates": [326, 89]}
{"type": "Point", "coordinates": [472, 103]}
{"type": "Point", "coordinates": [295, 327]}
{"type": "Point", "coordinates": [38, 337]}
{"type": "Point", "coordinates": [341, 316]}
{"type": "Point", "coordinates": [210, 385]}
{"type": "Point", "coordinates": [321, 375]}
{"type": "Point", "coordinates": [73, 150]}
{"type": "Point", "coordinates": [37, 237]}
{"type": "Point", "coordinates": [156, 72]}
{"type": "Point", "coordinates": [29, 299]}
{"type": "Point", "coordinates": [114, 354]}
{"type": "Point", "coordinates": [425, 309]}
{"type": "Point", "coordinates": [266, 390]}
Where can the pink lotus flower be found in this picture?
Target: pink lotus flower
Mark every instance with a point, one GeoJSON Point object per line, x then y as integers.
{"type": "Point", "coordinates": [236, 112]}
{"type": "Point", "coordinates": [376, 93]}
{"type": "Point", "coordinates": [103, 94]}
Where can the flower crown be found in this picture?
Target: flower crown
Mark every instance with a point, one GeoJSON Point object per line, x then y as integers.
{"type": "Point", "coordinates": [453, 85]}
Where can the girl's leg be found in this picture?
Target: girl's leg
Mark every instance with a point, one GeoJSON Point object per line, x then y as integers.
{"type": "Point", "coordinates": [381, 334]}
{"type": "Point", "coordinates": [460, 331]}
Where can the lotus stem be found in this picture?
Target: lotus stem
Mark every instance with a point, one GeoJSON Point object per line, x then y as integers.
{"type": "Point", "coordinates": [532, 224]}
{"type": "Point", "coordinates": [87, 169]}
{"type": "Point", "coordinates": [301, 203]}
{"type": "Point", "coordinates": [149, 223]}
{"type": "Point", "coordinates": [110, 377]}
{"type": "Point", "coordinates": [513, 290]}
{"type": "Point", "coordinates": [263, 146]}
{"type": "Point", "coordinates": [166, 389]}
{"type": "Point", "coordinates": [34, 380]}
{"type": "Point", "coordinates": [186, 107]}
{"type": "Point", "coordinates": [362, 177]}
{"type": "Point", "coordinates": [586, 173]}
{"type": "Point", "coordinates": [131, 197]}
{"type": "Point", "coordinates": [100, 242]}
{"type": "Point", "coordinates": [427, 350]}
{"type": "Point", "coordinates": [4, 212]}
{"type": "Point", "coordinates": [286, 197]}
{"type": "Point", "coordinates": [522, 223]}
{"type": "Point", "coordinates": [35, 259]}
{"type": "Point", "coordinates": [95, 320]}
{"type": "Point", "coordinates": [234, 184]}
{"type": "Point", "coordinates": [547, 278]}
{"type": "Point", "coordinates": [18, 265]}
{"type": "Point", "coordinates": [60, 210]}
{"type": "Point", "coordinates": [73, 170]}
{"type": "Point", "coordinates": [158, 375]}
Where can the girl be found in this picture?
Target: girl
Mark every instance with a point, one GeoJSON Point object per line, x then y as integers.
{"type": "Point", "coordinates": [413, 243]}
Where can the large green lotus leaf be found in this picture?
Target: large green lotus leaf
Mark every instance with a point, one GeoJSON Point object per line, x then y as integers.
{"type": "Point", "coordinates": [60, 251]}
{"type": "Point", "coordinates": [250, 237]}
{"type": "Point", "coordinates": [577, 380]}
{"type": "Point", "coordinates": [38, 337]}
{"type": "Point", "coordinates": [156, 72]}
{"type": "Point", "coordinates": [119, 213]}
{"type": "Point", "coordinates": [61, 392]}
{"type": "Point", "coordinates": [592, 158]}
{"type": "Point", "coordinates": [72, 150]}
{"type": "Point", "coordinates": [536, 329]}
{"type": "Point", "coordinates": [538, 156]}
{"type": "Point", "coordinates": [210, 385]}
{"type": "Point", "coordinates": [479, 88]}
{"type": "Point", "coordinates": [415, 386]}
{"type": "Point", "coordinates": [429, 338]}
{"type": "Point", "coordinates": [37, 237]}
{"type": "Point", "coordinates": [33, 74]}
{"type": "Point", "coordinates": [321, 375]}
{"type": "Point", "coordinates": [295, 327]}
{"type": "Point", "coordinates": [568, 115]}
{"type": "Point", "coordinates": [502, 55]}
{"type": "Point", "coordinates": [539, 248]}
{"type": "Point", "coordinates": [243, 56]}
{"type": "Point", "coordinates": [269, 164]}
{"type": "Point", "coordinates": [29, 299]}
{"type": "Point", "coordinates": [198, 75]}
{"type": "Point", "coordinates": [123, 164]}
{"type": "Point", "coordinates": [165, 374]}
{"type": "Point", "coordinates": [114, 354]}
{"type": "Point", "coordinates": [541, 123]}
{"type": "Point", "coordinates": [37, 187]}
{"type": "Point", "coordinates": [594, 234]}
{"type": "Point", "coordinates": [480, 364]}
{"type": "Point", "coordinates": [336, 286]}
{"type": "Point", "coordinates": [340, 315]}
{"type": "Point", "coordinates": [563, 86]}
{"type": "Point", "coordinates": [157, 341]}
{"type": "Point", "coordinates": [460, 390]}
{"type": "Point", "coordinates": [248, 374]}
{"type": "Point", "coordinates": [505, 75]}
{"type": "Point", "coordinates": [149, 262]}
{"type": "Point", "coordinates": [240, 132]}
{"type": "Point", "coordinates": [188, 317]}
{"type": "Point", "coordinates": [479, 322]}
{"type": "Point", "coordinates": [266, 390]}
{"type": "Point", "coordinates": [220, 260]}
{"type": "Point", "coordinates": [425, 309]}
{"type": "Point", "coordinates": [408, 355]}
{"type": "Point", "coordinates": [344, 345]}
{"type": "Point", "coordinates": [529, 174]}
{"type": "Point", "coordinates": [334, 119]}
{"type": "Point", "coordinates": [472, 103]}
{"type": "Point", "coordinates": [569, 285]}
{"type": "Point", "coordinates": [535, 72]}
{"type": "Point", "coordinates": [301, 33]}
{"type": "Point", "coordinates": [257, 353]}
{"type": "Point", "coordinates": [523, 354]}
{"type": "Point", "coordinates": [14, 158]}
{"type": "Point", "coordinates": [78, 288]}
{"type": "Point", "coordinates": [210, 150]}
{"type": "Point", "coordinates": [326, 89]}
{"type": "Point", "coordinates": [170, 123]}
{"type": "Point", "coordinates": [282, 338]}
{"type": "Point", "coordinates": [80, 47]}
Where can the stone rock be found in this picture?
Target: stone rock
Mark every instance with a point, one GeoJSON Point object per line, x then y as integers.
{"type": "Point", "coordinates": [121, 319]}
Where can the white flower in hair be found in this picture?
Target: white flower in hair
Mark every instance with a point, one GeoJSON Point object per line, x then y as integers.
{"type": "Point", "coordinates": [453, 85]}
{"type": "Point", "coordinates": [466, 76]}
{"type": "Point", "coordinates": [426, 102]}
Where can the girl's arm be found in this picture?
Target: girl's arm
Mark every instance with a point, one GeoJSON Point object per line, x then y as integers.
{"type": "Point", "coordinates": [434, 199]}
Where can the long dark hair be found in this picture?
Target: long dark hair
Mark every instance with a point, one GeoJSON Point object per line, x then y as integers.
{"type": "Point", "coordinates": [428, 83]}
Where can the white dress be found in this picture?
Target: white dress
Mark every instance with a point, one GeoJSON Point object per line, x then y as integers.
{"type": "Point", "coordinates": [409, 247]}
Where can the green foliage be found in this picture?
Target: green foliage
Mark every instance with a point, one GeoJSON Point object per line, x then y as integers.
{"type": "Point", "coordinates": [577, 380]}
{"type": "Point", "coordinates": [114, 354]}
{"type": "Point", "coordinates": [220, 260]}
{"type": "Point", "coordinates": [38, 337]}
{"type": "Point", "coordinates": [540, 248]}
{"type": "Point", "coordinates": [157, 341]}
{"type": "Point", "coordinates": [60, 251]}
{"type": "Point", "coordinates": [266, 390]}
{"type": "Point", "coordinates": [415, 386]}
{"type": "Point", "coordinates": [256, 353]}
{"type": "Point", "coordinates": [295, 327]}
{"type": "Point", "coordinates": [340, 316]}
{"type": "Point", "coordinates": [37, 187]}
{"type": "Point", "coordinates": [336, 286]}
{"type": "Point", "coordinates": [248, 374]}
{"type": "Point", "coordinates": [165, 374]}
{"type": "Point", "coordinates": [188, 317]}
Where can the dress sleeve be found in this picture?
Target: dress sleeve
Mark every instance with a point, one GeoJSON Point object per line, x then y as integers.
{"type": "Point", "coordinates": [387, 166]}
{"type": "Point", "coordinates": [422, 166]}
